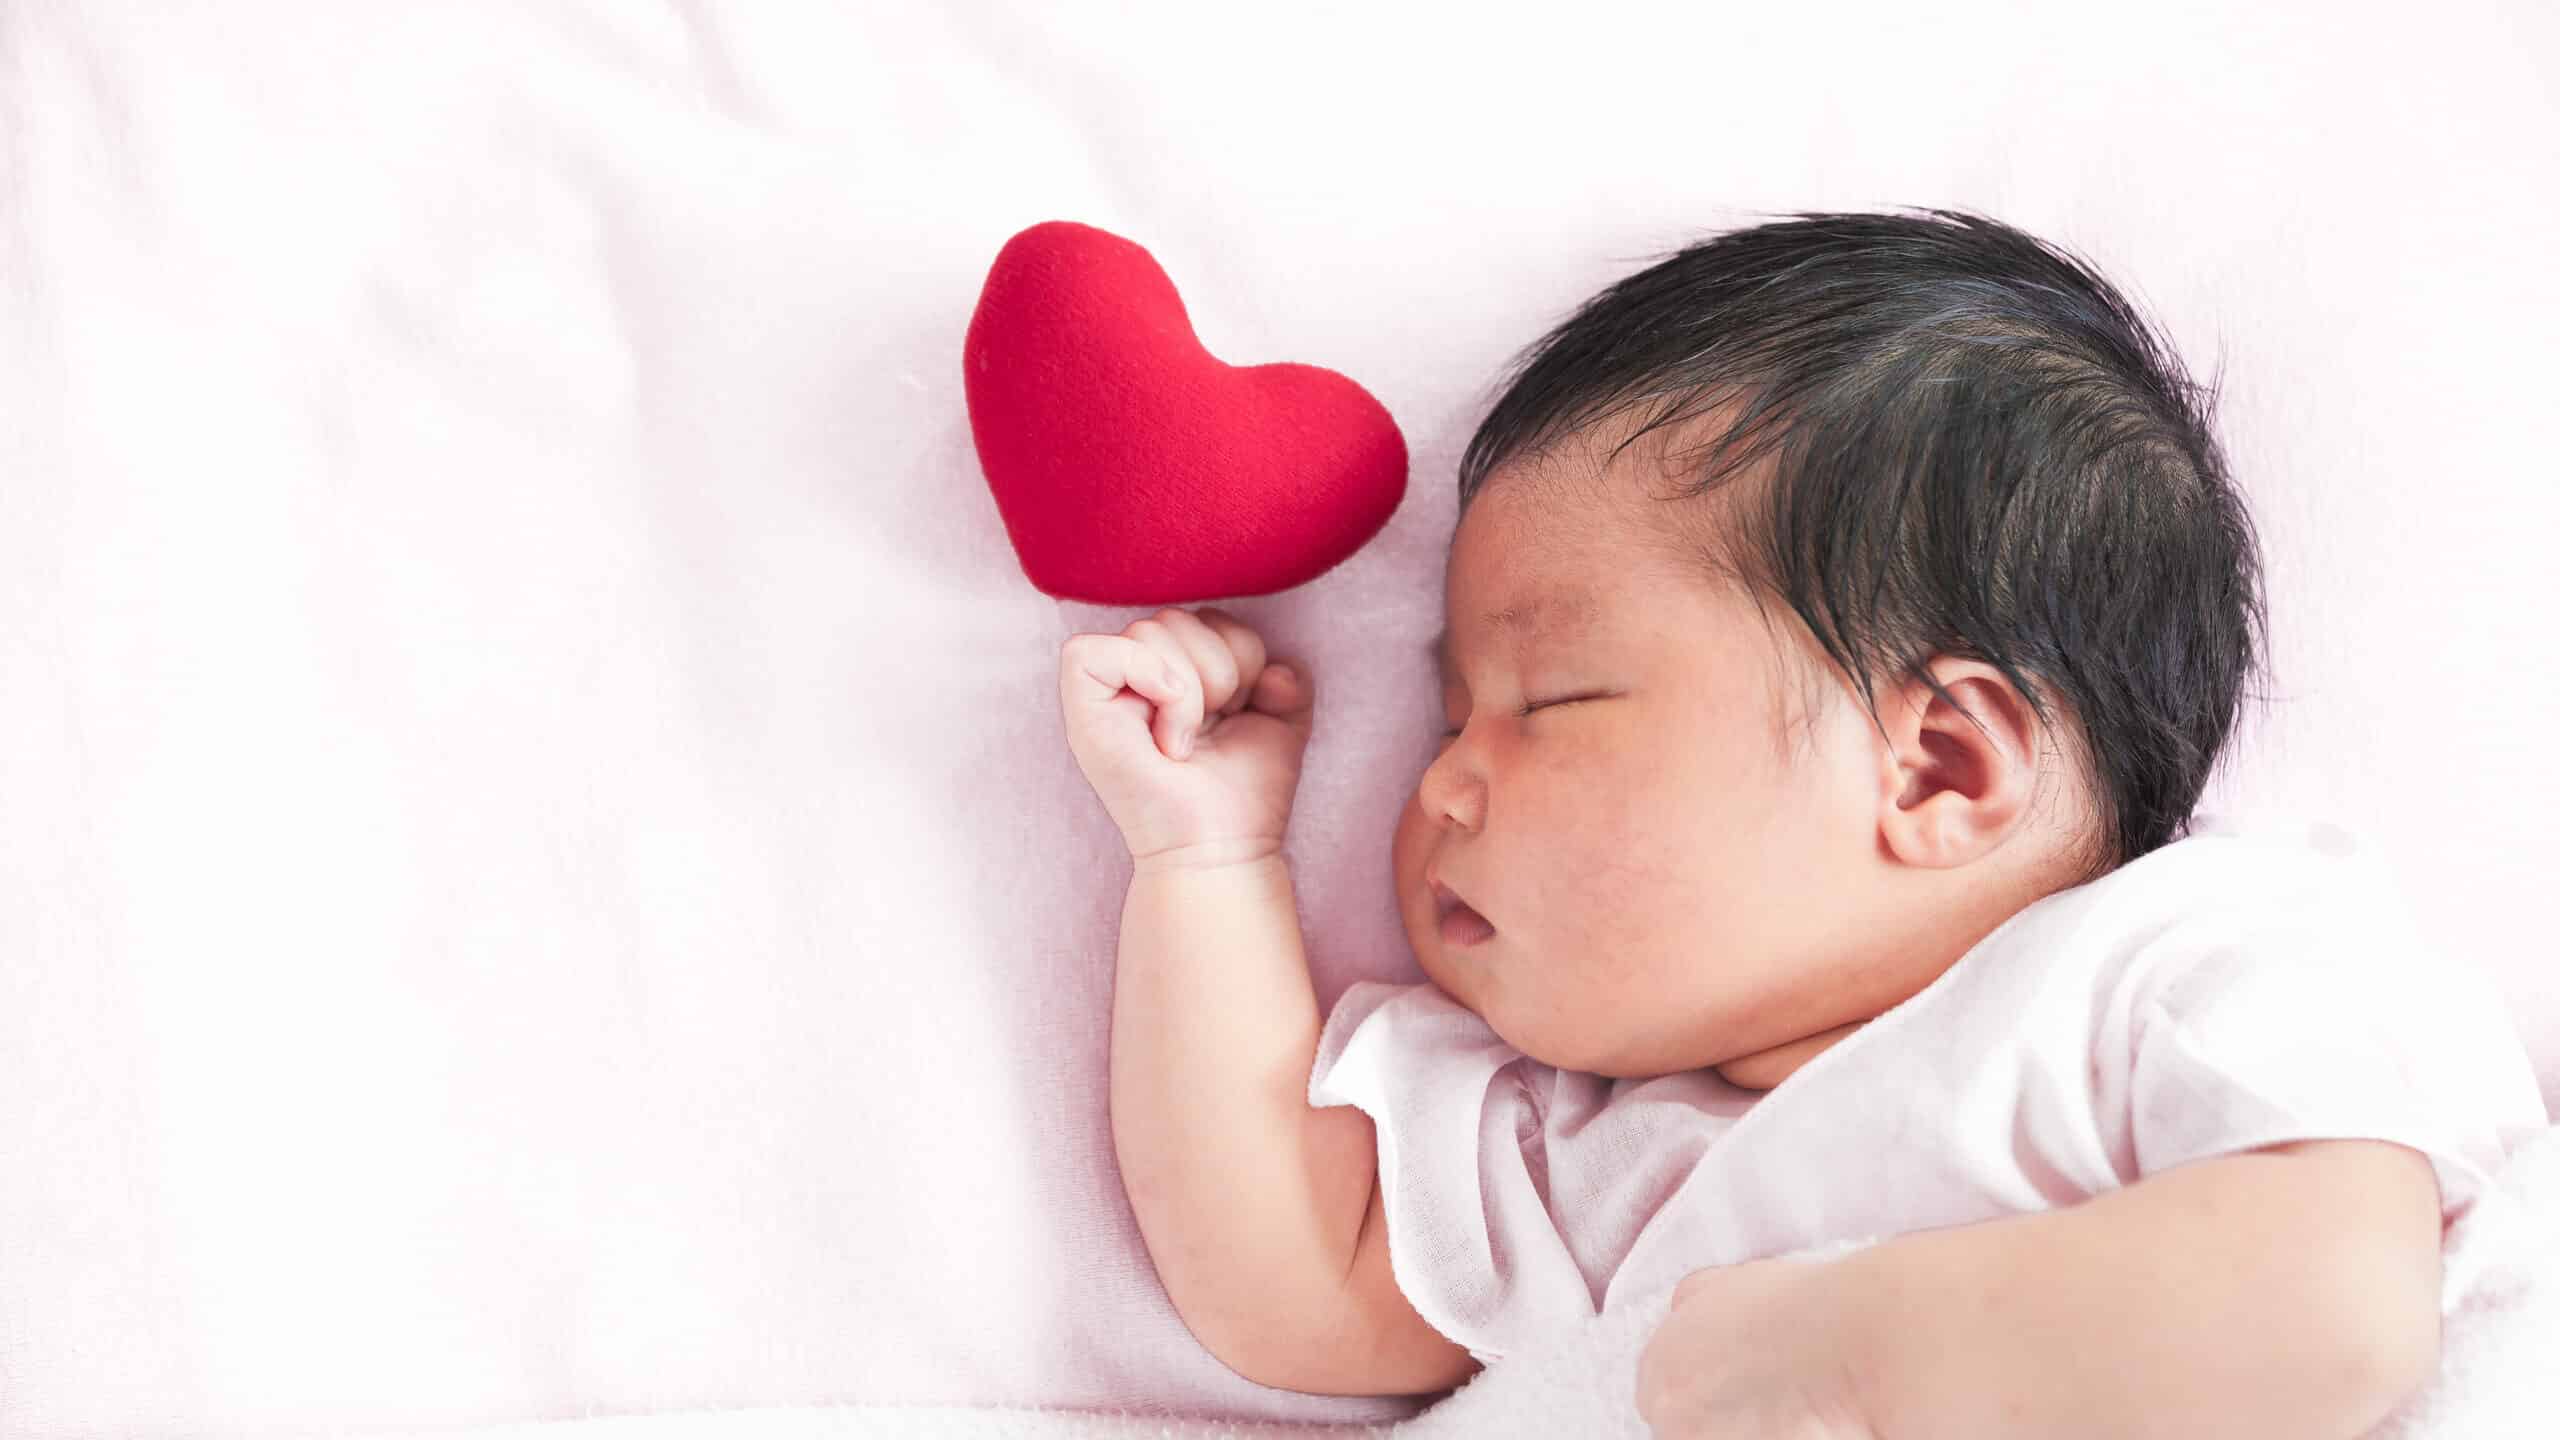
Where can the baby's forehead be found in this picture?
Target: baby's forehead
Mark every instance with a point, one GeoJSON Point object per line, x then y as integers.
{"type": "Point", "coordinates": [1530, 610]}
{"type": "Point", "coordinates": [1540, 565]}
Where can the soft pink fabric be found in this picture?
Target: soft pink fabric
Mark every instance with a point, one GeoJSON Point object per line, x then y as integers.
{"type": "Point", "coordinates": [541, 872]}
{"type": "Point", "coordinates": [2239, 988]}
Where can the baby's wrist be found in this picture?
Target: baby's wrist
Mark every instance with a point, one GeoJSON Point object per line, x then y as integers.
{"type": "Point", "coordinates": [1236, 852]}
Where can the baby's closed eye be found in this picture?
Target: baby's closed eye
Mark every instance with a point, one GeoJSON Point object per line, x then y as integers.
{"type": "Point", "coordinates": [1531, 707]}
{"type": "Point", "coordinates": [1528, 708]}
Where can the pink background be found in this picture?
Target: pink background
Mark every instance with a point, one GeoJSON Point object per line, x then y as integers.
{"type": "Point", "coordinates": [543, 874]}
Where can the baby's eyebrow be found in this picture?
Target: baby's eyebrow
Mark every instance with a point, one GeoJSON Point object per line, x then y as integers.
{"type": "Point", "coordinates": [1571, 611]}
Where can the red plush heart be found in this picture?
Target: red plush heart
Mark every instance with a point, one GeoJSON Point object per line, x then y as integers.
{"type": "Point", "coordinates": [1131, 466]}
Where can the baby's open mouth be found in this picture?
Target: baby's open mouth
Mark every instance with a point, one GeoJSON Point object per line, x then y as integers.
{"type": "Point", "coordinates": [1460, 925]}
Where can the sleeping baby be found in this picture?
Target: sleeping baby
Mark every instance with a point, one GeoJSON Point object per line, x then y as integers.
{"type": "Point", "coordinates": [1842, 620]}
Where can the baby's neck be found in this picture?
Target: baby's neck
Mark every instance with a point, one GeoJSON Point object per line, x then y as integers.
{"type": "Point", "coordinates": [1763, 1070]}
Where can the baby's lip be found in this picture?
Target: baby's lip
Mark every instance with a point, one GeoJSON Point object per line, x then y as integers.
{"type": "Point", "coordinates": [1447, 898]}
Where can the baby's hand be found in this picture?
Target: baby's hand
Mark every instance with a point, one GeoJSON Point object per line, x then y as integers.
{"type": "Point", "coordinates": [1212, 780]}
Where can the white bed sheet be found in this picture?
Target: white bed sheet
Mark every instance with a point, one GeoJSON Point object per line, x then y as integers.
{"type": "Point", "coordinates": [542, 874]}
{"type": "Point", "coordinates": [899, 1422]}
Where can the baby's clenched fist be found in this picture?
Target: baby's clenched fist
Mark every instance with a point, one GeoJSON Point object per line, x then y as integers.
{"type": "Point", "coordinates": [1188, 734]}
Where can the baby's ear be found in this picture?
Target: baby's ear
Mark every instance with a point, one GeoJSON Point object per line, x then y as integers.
{"type": "Point", "coordinates": [1956, 772]}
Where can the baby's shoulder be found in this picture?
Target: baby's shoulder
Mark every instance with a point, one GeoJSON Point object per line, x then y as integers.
{"type": "Point", "coordinates": [2224, 908]}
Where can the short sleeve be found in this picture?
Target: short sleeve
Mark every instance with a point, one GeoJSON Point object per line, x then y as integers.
{"type": "Point", "coordinates": [1461, 1161]}
{"type": "Point", "coordinates": [2325, 1015]}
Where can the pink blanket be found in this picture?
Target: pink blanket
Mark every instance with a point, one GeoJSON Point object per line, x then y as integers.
{"type": "Point", "coordinates": [543, 879]}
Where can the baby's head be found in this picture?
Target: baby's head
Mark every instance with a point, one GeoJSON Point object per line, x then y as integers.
{"type": "Point", "coordinates": [1821, 596]}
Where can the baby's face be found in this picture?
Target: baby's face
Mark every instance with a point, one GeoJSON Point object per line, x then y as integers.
{"type": "Point", "coordinates": [1657, 873]}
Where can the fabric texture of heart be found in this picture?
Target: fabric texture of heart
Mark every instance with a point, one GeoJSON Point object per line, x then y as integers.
{"type": "Point", "coordinates": [1130, 465]}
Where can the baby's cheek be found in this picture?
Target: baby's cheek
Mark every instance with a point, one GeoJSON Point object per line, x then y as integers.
{"type": "Point", "coordinates": [1409, 857]}
{"type": "Point", "coordinates": [1624, 873]}
{"type": "Point", "coordinates": [1406, 853]}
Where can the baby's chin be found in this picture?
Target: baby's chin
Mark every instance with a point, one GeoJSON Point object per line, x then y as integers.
{"type": "Point", "coordinates": [1464, 989]}
{"type": "Point", "coordinates": [1437, 969]}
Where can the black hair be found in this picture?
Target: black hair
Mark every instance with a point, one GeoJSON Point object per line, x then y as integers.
{"type": "Point", "coordinates": [1983, 450]}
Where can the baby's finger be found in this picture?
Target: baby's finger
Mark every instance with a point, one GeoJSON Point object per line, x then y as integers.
{"type": "Point", "coordinates": [1210, 656]}
{"type": "Point", "coordinates": [1094, 669]}
{"type": "Point", "coordinates": [1245, 647]}
{"type": "Point", "coordinates": [1177, 716]}
{"type": "Point", "coordinates": [1285, 692]}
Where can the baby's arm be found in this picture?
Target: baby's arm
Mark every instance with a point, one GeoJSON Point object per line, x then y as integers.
{"type": "Point", "coordinates": [2293, 1291]}
{"type": "Point", "coordinates": [1250, 1199]}
{"type": "Point", "coordinates": [1252, 1202]}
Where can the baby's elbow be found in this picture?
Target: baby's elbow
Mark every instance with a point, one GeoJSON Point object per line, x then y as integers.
{"type": "Point", "coordinates": [2394, 1352]}
{"type": "Point", "coordinates": [2376, 1239]}
{"type": "Point", "coordinates": [2392, 1313]}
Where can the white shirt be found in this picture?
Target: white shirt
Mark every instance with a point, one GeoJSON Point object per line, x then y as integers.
{"type": "Point", "coordinates": [2226, 992]}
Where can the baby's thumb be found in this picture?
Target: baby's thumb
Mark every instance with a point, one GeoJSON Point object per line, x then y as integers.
{"type": "Point", "coordinates": [1286, 693]}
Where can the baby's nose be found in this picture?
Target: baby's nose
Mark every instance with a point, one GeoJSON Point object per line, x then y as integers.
{"type": "Point", "coordinates": [1450, 793]}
